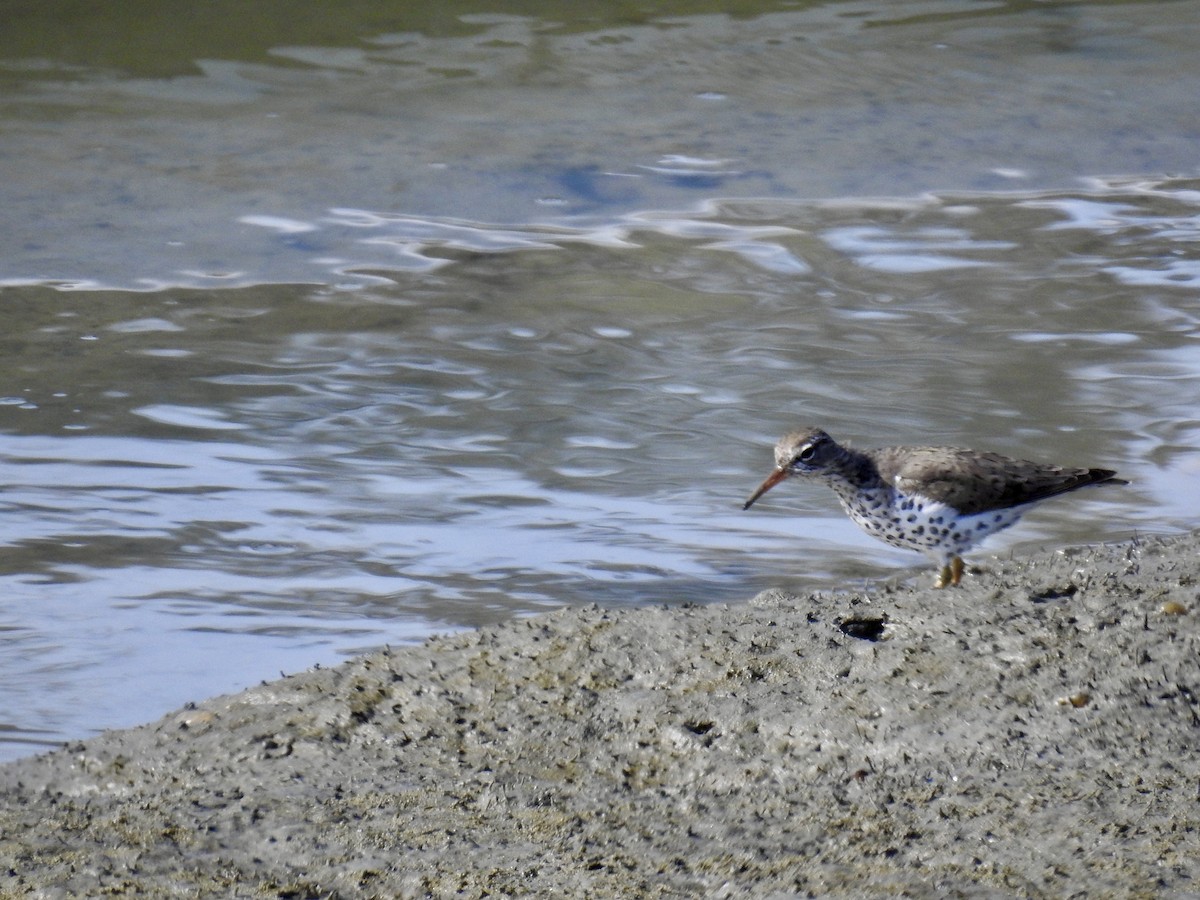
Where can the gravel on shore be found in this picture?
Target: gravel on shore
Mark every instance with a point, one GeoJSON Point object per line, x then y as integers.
{"type": "Point", "coordinates": [1033, 733]}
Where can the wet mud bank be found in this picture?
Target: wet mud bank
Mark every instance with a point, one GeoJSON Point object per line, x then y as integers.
{"type": "Point", "coordinates": [1032, 732]}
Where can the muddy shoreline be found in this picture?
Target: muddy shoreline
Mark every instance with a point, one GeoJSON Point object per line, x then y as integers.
{"type": "Point", "coordinates": [1032, 733]}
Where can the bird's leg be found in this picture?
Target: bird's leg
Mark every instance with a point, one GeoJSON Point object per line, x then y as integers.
{"type": "Point", "coordinates": [950, 574]}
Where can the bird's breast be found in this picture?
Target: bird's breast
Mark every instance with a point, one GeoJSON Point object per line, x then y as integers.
{"type": "Point", "coordinates": [918, 523]}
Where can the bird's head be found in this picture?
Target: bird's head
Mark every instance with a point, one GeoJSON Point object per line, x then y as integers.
{"type": "Point", "coordinates": [808, 451]}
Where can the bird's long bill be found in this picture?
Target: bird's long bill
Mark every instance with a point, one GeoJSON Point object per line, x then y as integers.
{"type": "Point", "coordinates": [773, 479]}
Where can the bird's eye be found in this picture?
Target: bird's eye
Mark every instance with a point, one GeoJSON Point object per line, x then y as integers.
{"type": "Point", "coordinates": [807, 453]}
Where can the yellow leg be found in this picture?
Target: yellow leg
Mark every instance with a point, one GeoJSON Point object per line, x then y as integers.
{"type": "Point", "coordinates": [950, 574]}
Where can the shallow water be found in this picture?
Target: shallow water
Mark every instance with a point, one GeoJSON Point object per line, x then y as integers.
{"type": "Point", "coordinates": [389, 328]}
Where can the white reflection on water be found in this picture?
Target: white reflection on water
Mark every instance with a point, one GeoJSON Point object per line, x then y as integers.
{"type": "Point", "coordinates": [880, 248]}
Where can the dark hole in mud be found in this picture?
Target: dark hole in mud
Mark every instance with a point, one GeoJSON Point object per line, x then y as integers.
{"type": "Point", "coordinates": [864, 628]}
{"type": "Point", "coordinates": [1056, 593]}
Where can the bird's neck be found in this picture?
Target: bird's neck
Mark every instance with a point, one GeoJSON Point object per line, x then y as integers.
{"type": "Point", "coordinates": [853, 472]}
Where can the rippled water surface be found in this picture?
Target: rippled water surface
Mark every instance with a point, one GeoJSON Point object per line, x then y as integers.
{"type": "Point", "coordinates": [344, 332]}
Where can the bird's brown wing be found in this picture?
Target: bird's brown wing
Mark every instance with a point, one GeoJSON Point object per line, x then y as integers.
{"type": "Point", "coordinates": [973, 482]}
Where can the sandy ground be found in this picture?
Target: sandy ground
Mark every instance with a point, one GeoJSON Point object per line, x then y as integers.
{"type": "Point", "coordinates": [1033, 733]}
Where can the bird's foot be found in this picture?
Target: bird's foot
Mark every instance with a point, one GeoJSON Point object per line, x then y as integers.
{"type": "Point", "coordinates": [950, 575]}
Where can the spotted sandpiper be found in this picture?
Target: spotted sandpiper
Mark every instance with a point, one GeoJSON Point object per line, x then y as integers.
{"type": "Point", "coordinates": [941, 501]}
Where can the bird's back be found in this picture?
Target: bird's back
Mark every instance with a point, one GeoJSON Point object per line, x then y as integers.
{"type": "Point", "coordinates": [974, 482]}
